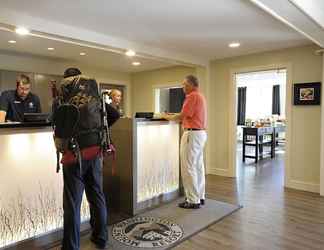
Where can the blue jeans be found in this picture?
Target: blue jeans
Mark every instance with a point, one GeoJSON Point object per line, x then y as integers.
{"type": "Point", "coordinates": [74, 184]}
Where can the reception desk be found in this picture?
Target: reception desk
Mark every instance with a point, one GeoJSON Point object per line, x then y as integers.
{"type": "Point", "coordinates": [147, 165]}
{"type": "Point", "coordinates": [146, 174]}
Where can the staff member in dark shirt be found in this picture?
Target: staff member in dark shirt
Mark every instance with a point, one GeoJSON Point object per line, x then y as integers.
{"type": "Point", "coordinates": [14, 103]}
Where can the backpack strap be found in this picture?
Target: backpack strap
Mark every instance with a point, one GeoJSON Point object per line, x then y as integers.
{"type": "Point", "coordinates": [57, 161]}
{"type": "Point", "coordinates": [77, 152]}
{"type": "Point", "coordinates": [106, 139]}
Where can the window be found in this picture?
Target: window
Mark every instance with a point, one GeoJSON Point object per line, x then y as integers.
{"type": "Point", "coordinates": [169, 99]}
{"type": "Point", "coordinates": [259, 92]}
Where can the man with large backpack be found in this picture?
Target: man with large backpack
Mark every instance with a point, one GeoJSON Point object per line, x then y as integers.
{"type": "Point", "coordinates": [80, 136]}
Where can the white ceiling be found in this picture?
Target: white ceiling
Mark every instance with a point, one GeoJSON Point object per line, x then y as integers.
{"type": "Point", "coordinates": [313, 8]}
{"type": "Point", "coordinates": [200, 29]}
{"type": "Point", "coordinates": [303, 16]}
{"type": "Point", "coordinates": [97, 58]}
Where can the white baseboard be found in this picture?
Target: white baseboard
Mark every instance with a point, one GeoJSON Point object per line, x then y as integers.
{"type": "Point", "coordinates": [219, 171]}
{"type": "Point", "coordinates": [304, 186]}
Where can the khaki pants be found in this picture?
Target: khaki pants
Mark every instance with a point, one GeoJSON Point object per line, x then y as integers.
{"type": "Point", "coordinates": [192, 164]}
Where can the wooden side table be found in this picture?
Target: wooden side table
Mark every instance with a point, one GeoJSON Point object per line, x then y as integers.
{"type": "Point", "coordinates": [259, 141]}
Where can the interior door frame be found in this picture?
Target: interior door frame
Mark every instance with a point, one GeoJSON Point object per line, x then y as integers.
{"type": "Point", "coordinates": [233, 114]}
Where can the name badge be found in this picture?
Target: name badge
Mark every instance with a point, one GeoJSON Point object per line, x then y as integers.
{"type": "Point", "coordinates": [31, 105]}
{"type": "Point", "coordinates": [17, 101]}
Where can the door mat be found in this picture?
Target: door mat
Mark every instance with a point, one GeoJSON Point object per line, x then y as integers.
{"type": "Point", "coordinates": [163, 227]}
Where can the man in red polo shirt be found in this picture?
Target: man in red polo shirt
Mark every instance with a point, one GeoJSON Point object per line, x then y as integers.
{"type": "Point", "coordinates": [194, 122]}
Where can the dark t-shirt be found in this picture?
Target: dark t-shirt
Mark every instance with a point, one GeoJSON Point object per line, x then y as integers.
{"type": "Point", "coordinates": [112, 114]}
{"type": "Point", "coordinates": [15, 107]}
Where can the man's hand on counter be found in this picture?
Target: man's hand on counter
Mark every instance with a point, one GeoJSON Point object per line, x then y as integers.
{"type": "Point", "coordinates": [171, 116]}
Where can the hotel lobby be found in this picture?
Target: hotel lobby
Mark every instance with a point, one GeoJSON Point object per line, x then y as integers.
{"type": "Point", "coordinates": [145, 50]}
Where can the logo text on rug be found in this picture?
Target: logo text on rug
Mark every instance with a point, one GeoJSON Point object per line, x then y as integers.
{"type": "Point", "coordinates": [148, 232]}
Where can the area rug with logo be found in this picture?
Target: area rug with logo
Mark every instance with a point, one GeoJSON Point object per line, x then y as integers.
{"type": "Point", "coordinates": [166, 226]}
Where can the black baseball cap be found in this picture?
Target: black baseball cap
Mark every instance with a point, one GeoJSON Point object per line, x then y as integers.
{"type": "Point", "coordinates": [71, 72]}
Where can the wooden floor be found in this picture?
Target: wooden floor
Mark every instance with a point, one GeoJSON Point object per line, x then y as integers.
{"type": "Point", "coordinates": [272, 217]}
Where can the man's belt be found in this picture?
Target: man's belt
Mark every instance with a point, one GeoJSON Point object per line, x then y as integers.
{"type": "Point", "coordinates": [193, 129]}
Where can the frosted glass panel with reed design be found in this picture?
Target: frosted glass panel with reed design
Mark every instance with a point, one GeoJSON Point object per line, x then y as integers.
{"type": "Point", "coordinates": [30, 189]}
{"type": "Point", "coordinates": [157, 159]}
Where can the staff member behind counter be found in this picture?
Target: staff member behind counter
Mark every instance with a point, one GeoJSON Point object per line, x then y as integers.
{"type": "Point", "coordinates": [14, 103]}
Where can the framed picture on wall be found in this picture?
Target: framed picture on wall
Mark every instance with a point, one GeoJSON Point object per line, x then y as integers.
{"type": "Point", "coordinates": [307, 93]}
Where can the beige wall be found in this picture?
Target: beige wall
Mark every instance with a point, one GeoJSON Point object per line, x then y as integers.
{"type": "Point", "coordinates": [17, 62]}
{"type": "Point", "coordinates": [143, 84]}
{"type": "Point", "coordinates": [304, 66]}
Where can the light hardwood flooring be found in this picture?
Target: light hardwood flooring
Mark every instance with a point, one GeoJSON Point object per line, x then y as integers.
{"type": "Point", "coordinates": [272, 217]}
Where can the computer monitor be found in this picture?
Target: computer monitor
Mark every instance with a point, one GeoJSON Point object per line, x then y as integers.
{"type": "Point", "coordinates": [36, 117]}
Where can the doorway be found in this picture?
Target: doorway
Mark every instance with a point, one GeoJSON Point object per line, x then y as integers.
{"type": "Point", "coordinates": [261, 123]}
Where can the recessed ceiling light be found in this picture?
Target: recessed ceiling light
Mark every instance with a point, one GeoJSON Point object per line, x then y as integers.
{"type": "Point", "coordinates": [50, 48]}
{"type": "Point", "coordinates": [234, 45]}
{"type": "Point", "coordinates": [22, 31]}
{"type": "Point", "coordinates": [82, 54]}
{"type": "Point", "coordinates": [136, 63]}
{"type": "Point", "coordinates": [12, 41]}
{"type": "Point", "coordinates": [130, 53]}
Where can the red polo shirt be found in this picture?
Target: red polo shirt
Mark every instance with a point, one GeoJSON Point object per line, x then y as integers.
{"type": "Point", "coordinates": [194, 111]}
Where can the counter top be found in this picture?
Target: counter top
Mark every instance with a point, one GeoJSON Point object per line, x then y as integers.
{"type": "Point", "coordinates": [48, 124]}
{"type": "Point", "coordinates": [25, 124]}
{"type": "Point", "coordinates": [151, 120]}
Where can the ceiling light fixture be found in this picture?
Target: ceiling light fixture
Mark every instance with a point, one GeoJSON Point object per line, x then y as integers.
{"type": "Point", "coordinates": [130, 53]}
{"type": "Point", "coordinates": [82, 54]}
{"type": "Point", "coordinates": [234, 45]}
{"type": "Point", "coordinates": [22, 31]}
{"type": "Point", "coordinates": [136, 63]}
{"type": "Point", "coordinates": [12, 41]}
{"type": "Point", "coordinates": [50, 48]}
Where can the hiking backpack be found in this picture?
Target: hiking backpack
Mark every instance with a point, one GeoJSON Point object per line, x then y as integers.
{"type": "Point", "coordinates": [78, 113]}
